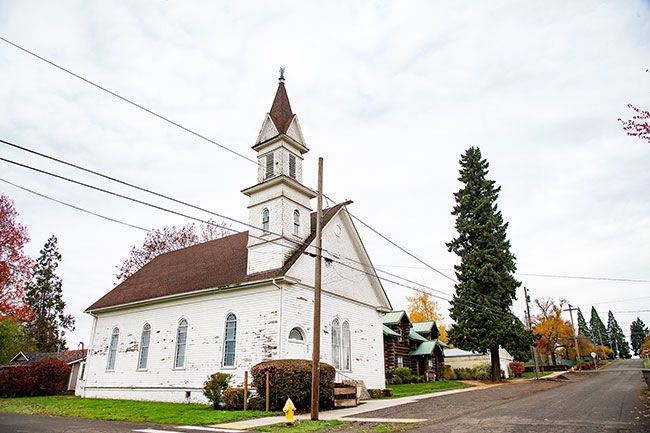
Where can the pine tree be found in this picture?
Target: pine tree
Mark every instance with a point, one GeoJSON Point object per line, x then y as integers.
{"type": "Point", "coordinates": [44, 296]}
{"type": "Point", "coordinates": [481, 307]}
{"type": "Point", "coordinates": [583, 329]}
{"type": "Point", "coordinates": [598, 330]}
{"type": "Point", "coordinates": [638, 331]}
{"type": "Point", "coordinates": [617, 338]}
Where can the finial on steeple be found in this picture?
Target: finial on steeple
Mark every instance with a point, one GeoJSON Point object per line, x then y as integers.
{"type": "Point", "coordinates": [281, 75]}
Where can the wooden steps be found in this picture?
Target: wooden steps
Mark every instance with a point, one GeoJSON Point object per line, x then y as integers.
{"type": "Point", "coordinates": [345, 395]}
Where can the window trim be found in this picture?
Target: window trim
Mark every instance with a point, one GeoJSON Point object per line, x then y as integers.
{"type": "Point", "coordinates": [269, 166]}
{"type": "Point", "coordinates": [292, 164]}
{"type": "Point", "coordinates": [336, 343]}
{"type": "Point", "coordinates": [225, 342]}
{"type": "Point", "coordinates": [112, 353]}
{"type": "Point", "coordinates": [266, 220]}
{"type": "Point", "coordinates": [146, 364]}
{"type": "Point", "coordinates": [296, 222]}
{"type": "Point", "coordinates": [302, 333]}
{"type": "Point", "coordinates": [177, 345]}
{"type": "Point", "coordinates": [343, 348]}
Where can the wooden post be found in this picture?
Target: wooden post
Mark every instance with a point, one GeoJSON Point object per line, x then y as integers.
{"type": "Point", "coordinates": [575, 337]}
{"type": "Point", "coordinates": [267, 390]}
{"type": "Point", "coordinates": [246, 390]}
{"type": "Point", "coordinates": [532, 349]}
{"type": "Point", "coordinates": [315, 354]}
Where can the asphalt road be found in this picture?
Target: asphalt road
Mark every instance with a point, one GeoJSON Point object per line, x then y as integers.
{"type": "Point", "coordinates": [609, 400]}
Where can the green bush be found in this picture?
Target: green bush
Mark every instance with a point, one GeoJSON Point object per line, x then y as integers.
{"type": "Point", "coordinates": [233, 398]}
{"type": "Point", "coordinates": [291, 378]}
{"type": "Point", "coordinates": [256, 403]}
{"type": "Point", "coordinates": [214, 387]}
{"type": "Point", "coordinates": [387, 392]}
{"type": "Point", "coordinates": [448, 373]}
{"type": "Point", "coordinates": [405, 375]}
{"type": "Point", "coordinates": [480, 372]}
{"type": "Point", "coordinates": [375, 393]}
{"type": "Point", "coordinates": [396, 380]}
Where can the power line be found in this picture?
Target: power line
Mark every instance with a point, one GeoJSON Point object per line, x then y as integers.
{"type": "Point", "coordinates": [74, 206]}
{"type": "Point", "coordinates": [128, 101]}
{"type": "Point", "coordinates": [161, 208]}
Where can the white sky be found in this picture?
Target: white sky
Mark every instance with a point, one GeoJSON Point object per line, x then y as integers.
{"type": "Point", "coordinates": [389, 93]}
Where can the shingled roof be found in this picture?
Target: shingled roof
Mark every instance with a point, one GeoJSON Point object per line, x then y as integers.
{"type": "Point", "coordinates": [281, 113]}
{"type": "Point", "coordinates": [218, 263]}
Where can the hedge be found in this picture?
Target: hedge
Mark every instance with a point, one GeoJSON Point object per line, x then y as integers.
{"type": "Point", "coordinates": [45, 377]}
{"type": "Point", "coordinates": [291, 378]}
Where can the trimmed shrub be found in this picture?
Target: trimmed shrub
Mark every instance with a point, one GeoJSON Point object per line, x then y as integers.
{"type": "Point", "coordinates": [448, 373]}
{"type": "Point", "coordinates": [233, 398]}
{"type": "Point", "coordinates": [291, 378]}
{"type": "Point", "coordinates": [396, 380]}
{"type": "Point", "coordinates": [387, 392]}
{"type": "Point", "coordinates": [45, 377]}
{"type": "Point", "coordinates": [214, 387]}
{"type": "Point", "coordinates": [375, 393]}
{"type": "Point", "coordinates": [517, 368]}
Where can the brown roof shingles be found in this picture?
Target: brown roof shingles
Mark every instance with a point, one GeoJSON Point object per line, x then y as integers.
{"type": "Point", "coordinates": [281, 113]}
{"type": "Point", "coordinates": [217, 263]}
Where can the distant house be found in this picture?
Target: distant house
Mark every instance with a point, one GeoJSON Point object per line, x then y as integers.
{"type": "Point", "coordinates": [457, 358]}
{"type": "Point", "coordinates": [74, 358]}
{"type": "Point", "coordinates": [412, 345]}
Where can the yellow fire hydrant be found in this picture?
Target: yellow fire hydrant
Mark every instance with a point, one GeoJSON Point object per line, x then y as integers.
{"type": "Point", "coordinates": [288, 410]}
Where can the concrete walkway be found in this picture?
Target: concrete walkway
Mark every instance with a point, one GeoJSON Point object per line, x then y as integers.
{"type": "Point", "coordinates": [347, 414]}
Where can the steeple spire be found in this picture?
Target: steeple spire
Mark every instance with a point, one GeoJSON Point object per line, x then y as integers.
{"type": "Point", "coordinates": [281, 113]}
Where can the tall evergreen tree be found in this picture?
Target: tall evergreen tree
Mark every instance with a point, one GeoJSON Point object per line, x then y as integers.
{"type": "Point", "coordinates": [598, 330]}
{"type": "Point", "coordinates": [619, 344]}
{"type": "Point", "coordinates": [481, 307]}
{"type": "Point", "coordinates": [583, 328]}
{"type": "Point", "coordinates": [44, 296]}
{"type": "Point", "coordinates": [638, 331]}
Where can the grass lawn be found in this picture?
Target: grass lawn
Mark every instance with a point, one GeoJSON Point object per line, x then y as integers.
{"type": "Point", "coordinates": [531, 374]}
{"type": "Point", "coordinates": [406, 389]}
{"type": "Point", "coordinates": [646, 363]}
{"type": "Point", "coordinates": [305, 426]}
{"type": "Point", "coordinates": [125, 410]}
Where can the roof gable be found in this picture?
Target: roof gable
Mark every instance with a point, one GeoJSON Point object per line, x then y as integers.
{"type": "Point", "coordinates": [347, 271]}
{"type": "Point", "coordinates": [424, 327]}
{"type": "Point", "coordinates": [395, 317]}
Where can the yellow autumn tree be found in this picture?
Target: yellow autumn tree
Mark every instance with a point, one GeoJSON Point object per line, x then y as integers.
{"type": "Point", "coordinates": [443, 334]}
{"type": "Point", "coordinates": [555, 332]}
{"type": "Point", "coordinates": [422, 307]}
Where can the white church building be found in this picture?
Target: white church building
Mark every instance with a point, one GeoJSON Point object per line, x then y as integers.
{"type": "Point", "coordinates": [228, 304]}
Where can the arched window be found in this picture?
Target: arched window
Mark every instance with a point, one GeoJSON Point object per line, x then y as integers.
{"type": "Point", "coordinates": [229, 341]}
{"type": "Point", "coordinates": [265, 220]}
{"type": "Point", "coordinates": [346, 347]}
{"type": "Point", "coordinates": [296, 222]}
{"type": "Point", "coordinates": [336, 344]}
{"type": "Point", "coordinates": [296, 335]}
{"type": "Point", "coordinates": [144, 346]}
{"type": "Point", "coordinates": [112, 350]}
{"type": "Point", "coordinates": [181, 342]}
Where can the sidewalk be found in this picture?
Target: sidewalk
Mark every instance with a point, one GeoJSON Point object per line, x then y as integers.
{"type": "Point", "coordinates": [348, 413]}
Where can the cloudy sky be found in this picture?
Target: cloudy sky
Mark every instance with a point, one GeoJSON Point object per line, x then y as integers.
{"type": "Point", "coordinates": [389, 93]}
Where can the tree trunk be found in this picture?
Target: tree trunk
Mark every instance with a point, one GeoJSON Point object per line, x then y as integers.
{"type": "Point", "coordinates": [553, 359]}
{"type": "Point", "coordinates": [496, 365]}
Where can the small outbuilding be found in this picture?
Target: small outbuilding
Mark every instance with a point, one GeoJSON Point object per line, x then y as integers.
{"type": "Point", "coordinates": [458, 358]}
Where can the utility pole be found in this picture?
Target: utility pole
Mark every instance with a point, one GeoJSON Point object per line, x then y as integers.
{"type": "Point", "coordinates": [315, 354]}
{"type": "Point", "coordinates": [532, 349]}
{"type": "Point", "coordinates": [575, 335]}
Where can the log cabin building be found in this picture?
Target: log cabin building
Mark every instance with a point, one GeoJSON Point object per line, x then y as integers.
{"type": "Point", "coordinates": [414, 345]}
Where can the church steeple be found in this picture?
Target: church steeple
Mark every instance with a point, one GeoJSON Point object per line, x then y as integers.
{"type": "Point", "coordinates": [279, 202]}
{"type": "Point", "coordinates": [281, 113]}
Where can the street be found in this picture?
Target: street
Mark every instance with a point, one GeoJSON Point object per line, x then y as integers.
{"type": "Point", "coordinates": [604, 401]}
{"type": "Point", "coordinates": [609, 400]}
